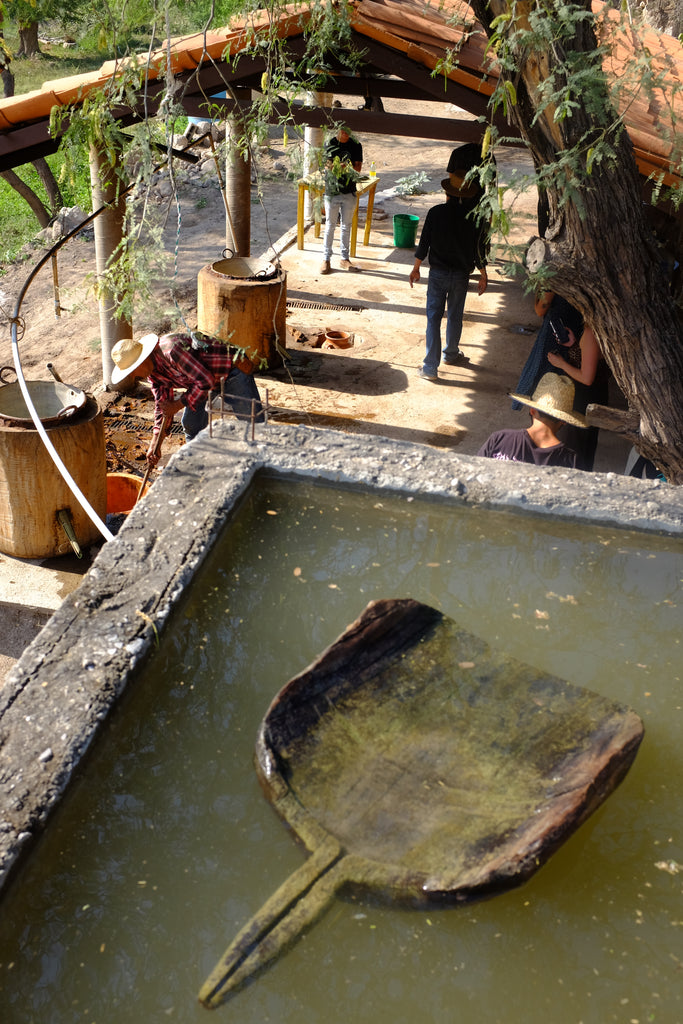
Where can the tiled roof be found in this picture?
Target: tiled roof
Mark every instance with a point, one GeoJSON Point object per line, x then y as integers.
{"type": "Point", "coordinates": [421, 32]}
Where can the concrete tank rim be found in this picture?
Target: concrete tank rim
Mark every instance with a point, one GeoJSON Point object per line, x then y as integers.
{"type": "Point", "coordinates": [84, 657]}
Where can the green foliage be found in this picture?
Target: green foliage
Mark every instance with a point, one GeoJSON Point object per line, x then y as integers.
{"type": "Point", "coordinates": [573, 78]}
{"type": "Point", "coordinates": [17, 221]}
{"type": "Point", "coordinates": [24, 12]}
{"type": "Point", "coordinates": [91, 123]}
{"type": "Point", "coordinates": [104, 30]}
{"type": "Point", "coordinates": [53, 62]}
{"type": "Point", "coordinates": [139, 261]}
{"type": "Point", "coordinates": [329, 32]}
{"type": "Point", "coordinates": [131, 271]}
{"type": "Point", "coordinates": [411, 184]}
{"type": "Point", "coordinates": [572, 92]}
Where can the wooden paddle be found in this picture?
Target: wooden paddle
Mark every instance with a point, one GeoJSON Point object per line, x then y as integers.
{"type": "Point", "coordinates": [155, 448]}
{"type": "Point", "coordinates": [418, 765]}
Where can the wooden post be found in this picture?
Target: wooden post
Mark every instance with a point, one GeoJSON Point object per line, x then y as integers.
{"type": "Point", "coordinates": [238, 190]}
{"type": "Point", "coordinates": [314, 139]}
{"type": "Point", "coordinates": [109, 232]}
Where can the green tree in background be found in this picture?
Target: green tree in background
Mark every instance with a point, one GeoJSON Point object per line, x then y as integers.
{"type": "Point", "coordinates": [597, 249]}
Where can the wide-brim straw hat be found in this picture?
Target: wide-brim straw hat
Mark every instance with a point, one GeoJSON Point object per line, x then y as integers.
{"type": "Point", "coordinates": [554, 395]}
{"type": "Point", "coordinates": [127, 355]}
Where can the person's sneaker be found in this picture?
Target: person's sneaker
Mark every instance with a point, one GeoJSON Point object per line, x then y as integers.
{"type": "Point", "coordinates": [428, 374]}
{"type": "Point", "coordinates": [325, 268]}
{"type": "Point", "coordinates": [457, 360]}
{"type": "Point", "coordinates": [348, 265]}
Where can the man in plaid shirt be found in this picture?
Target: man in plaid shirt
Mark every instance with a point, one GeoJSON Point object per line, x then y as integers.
{"type": "Point", "coordinates": [195, 363]}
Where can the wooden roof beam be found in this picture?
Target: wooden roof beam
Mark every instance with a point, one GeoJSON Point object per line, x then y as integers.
{"type": "Point", "coordinates": [447, 129]}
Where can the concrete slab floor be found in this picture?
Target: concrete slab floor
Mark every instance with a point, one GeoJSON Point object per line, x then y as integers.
{"type": "Point", "coordinates": [373, 387]}
{"type": "Point", "coordinates": [31, 590]}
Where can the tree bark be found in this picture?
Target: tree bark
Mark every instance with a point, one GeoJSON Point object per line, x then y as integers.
{"type": "Point", "coordinates": [5, 60]}
{"type": "Point", "coordinates": [7, 82]}
{"type": "Point", "coordinates": [28, 39]}
{"type": "Point", "coordinates": [29, 195]}
{"type": "Point", "coordinates": [48, 179]}
{"type": "Point", "coordinates": [603, 257]}
{"type": "Point", "coordinates": [26, 192]}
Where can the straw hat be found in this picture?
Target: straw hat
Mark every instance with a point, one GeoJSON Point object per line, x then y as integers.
{"type": "Point", "coordinates": [127, 355]}
{"type": "Point", "coordinates": [554, 395]}
{"type": "Point", "coordinates": [453, 186]}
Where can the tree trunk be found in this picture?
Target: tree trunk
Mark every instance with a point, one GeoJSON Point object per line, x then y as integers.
{"type": "Point", "coordinates": [5, 59]}
{"type": "Point", "coordinates": [28, 39]}
{"type": "Point", "coordinates": [603, 257]}
{"type": "Point", "coordinates": [7, 82]}
{"type": "Point", "coordinates": [29, 195]}
{"type": "Point", "coordinates": [51, 187]}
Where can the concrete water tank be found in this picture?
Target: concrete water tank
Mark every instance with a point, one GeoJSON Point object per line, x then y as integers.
{"type": "Point", "coordinates": [243, 301]}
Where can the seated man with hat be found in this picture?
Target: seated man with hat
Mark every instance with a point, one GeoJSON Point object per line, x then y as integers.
{"type": "Point", "coordinates": [455, 241]}
{"type": "Point", "coordinates": [195, 363]}
{"type": "Point", "coordinates": [550, 406]}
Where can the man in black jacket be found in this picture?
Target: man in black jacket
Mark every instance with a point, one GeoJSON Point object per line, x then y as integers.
{"type": "Point", "coordinates": [455, 242]}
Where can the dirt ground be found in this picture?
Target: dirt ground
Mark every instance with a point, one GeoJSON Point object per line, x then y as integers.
{"type": "Point", "coordinates": [371, 387]}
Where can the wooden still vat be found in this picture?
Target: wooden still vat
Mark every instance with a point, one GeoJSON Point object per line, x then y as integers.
{"type": "Point", "coordinates": [33, 491]}
{"type": "Point", "coordinates": [244, 302]}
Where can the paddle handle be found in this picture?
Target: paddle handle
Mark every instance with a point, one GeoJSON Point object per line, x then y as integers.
{"type": "Point", "coordinates": [157, 442]}
{"type": "Point", "coordinates": [292, 908]}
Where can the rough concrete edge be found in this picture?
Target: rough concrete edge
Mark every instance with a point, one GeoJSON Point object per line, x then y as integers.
{"type": "Point", "coordinates": [69, 678]}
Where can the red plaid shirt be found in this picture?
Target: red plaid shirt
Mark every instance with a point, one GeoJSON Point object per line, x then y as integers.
{"type": "Point", "coordinates": [178, 365]}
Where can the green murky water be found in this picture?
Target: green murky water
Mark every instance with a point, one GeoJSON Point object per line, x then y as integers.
{"type": "Point", "coordinates": [167, 846]}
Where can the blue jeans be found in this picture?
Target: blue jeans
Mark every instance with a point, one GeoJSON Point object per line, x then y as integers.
{"type": "Point", "coordinates": [344, 204]}
{"type": "Point", "coordinates": [239, 391]}
{"type": "Point", "coordinates": [444, 286]}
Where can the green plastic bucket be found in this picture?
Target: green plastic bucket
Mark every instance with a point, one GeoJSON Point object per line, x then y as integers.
{"type": "Point", "coordinates": [405, 230]}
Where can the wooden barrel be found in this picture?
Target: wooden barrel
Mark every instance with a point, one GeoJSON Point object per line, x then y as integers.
{"type": "Point", "coordinates": [33, 491]}
{"type": "Point", "coordinates": [246, 311]}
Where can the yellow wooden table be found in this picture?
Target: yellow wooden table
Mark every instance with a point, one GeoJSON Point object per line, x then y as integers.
{"type": "Point", "coordinates": [368, 185]}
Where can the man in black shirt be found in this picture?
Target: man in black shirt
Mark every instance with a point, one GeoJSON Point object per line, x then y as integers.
{"type": "Point", "coordinates": [343, 163]}
{"type": "Point", "coordinates": [455, 243]}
